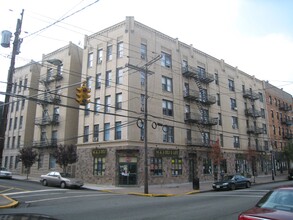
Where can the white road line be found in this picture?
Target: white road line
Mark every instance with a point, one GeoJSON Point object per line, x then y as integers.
{"type": "Point", "coordinates": [36, 191]}
{"type": "Point", "coordinates": [68, 197]}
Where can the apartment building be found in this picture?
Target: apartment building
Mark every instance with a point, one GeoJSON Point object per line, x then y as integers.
{"type": "Point", "coordinates": [20, 118]}
{"type": "Point", "coordinates": [279, 106]}
{"type": "Point", "coordinates": [195, 103]}
{"type": "Point", "coordinates": [56, 118]}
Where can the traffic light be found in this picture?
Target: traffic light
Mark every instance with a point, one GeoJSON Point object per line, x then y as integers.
{"type": "Point", "coordinates": [83, 95]}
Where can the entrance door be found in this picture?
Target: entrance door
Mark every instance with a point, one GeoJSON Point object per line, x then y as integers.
{"type": "Point", "coordinates": [127, 173]}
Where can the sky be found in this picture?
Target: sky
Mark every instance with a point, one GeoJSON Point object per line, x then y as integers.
{"type": "Point", "coordinates": [254, 35]}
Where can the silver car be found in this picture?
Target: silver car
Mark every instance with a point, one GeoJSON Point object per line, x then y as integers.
{"type": "Point", "coordinates": [4, 173]}
{"type": "Point", "coordinates": [60, 179]}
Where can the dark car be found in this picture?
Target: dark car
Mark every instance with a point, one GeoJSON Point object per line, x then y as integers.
{"type": "Point", "coordinates": [276, 204]}
{"type": "Point", "coordinates": [290, 174]}
{"type": "Point", "coordinates": [232, 182]}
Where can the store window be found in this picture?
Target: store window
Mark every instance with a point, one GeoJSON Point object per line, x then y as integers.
{"type": "Point", "coordinates": [176, 166]}
{"type": "Point", "coordinates": [207, 166]}
{"type": "Point", "coordinates": [99, 166]}
{"type": "Point", "coordinates": [156, 166]}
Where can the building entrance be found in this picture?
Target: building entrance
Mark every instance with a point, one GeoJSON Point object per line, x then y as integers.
{"type": "Point", "coordinates": [127, 171]}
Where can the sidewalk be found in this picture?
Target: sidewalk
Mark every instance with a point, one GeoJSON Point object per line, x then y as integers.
{"type": "Point", "coordinates": [153, 190]}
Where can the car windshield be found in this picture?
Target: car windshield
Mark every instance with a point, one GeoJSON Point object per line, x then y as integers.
{"type": "Point", "coordinates": [279, 199]}
{"type": "Point", "coordinates": [227, 178]}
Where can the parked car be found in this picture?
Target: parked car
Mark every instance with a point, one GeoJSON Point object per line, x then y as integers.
{"type": "Point", "coordinates": [60, 179]}
{"type": "Point", "coordinates": [4, 173]}
{"type": "Point", "coordinates": [290, 174]}
{"type": "Point", "coordinates": [276, 204]}
{"type": "Point", "coordinates": [232, 182]}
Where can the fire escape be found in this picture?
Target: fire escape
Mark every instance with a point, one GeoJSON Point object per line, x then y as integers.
{"type": "Point", "coordinates": [253, 130]}
{"type": "Point", "coordinates": [48, 100]}
{"type": "Point", "coordinates": [286, 121]}
{"type": "Point", "coordinates": [203, 101]}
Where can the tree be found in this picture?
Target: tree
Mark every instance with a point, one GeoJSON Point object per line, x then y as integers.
{"type": "Point", "coordinates": [65, 155]}
{"type": "Point", "coordinates": [217, 156]}
{"type": "Point", "coordinates": [28, 157]}
{"type": "Point", "coordinates": [288, 152]}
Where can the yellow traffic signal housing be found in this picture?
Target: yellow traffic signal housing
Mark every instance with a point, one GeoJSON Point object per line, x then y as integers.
{"type": "Point", "coordinates": [83, 95]}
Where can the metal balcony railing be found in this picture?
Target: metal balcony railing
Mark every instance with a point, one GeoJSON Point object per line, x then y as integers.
{"type": "Point", "coordinates": [198, 119]}
{"type": "Point", "coordinates": [248, 93]}
{"type": "Point", "coordinates": [254, 130]}
{"type": "Point", "coordinates": [252, 113]}
{"type": "Point", "coordinates": [204, 77]}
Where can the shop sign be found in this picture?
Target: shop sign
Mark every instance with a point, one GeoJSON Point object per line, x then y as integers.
{"type": "Point", "coordinates": [127, 159]}
{"type": "Point", "coordinates": [166, 153]}
{"type": "Point", "coordinates": [99, 152]}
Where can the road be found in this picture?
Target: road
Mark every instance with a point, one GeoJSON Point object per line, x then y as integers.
{"type": "Point", "coordinates": [88, 204]}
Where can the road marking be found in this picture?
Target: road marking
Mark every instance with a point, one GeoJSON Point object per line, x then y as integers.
{"type": "Point", "coordinates": [36, 191]}
{"type": "Point", "coordinates": [229, 195]}
{"type": "Point", "coordinates": [68, 197]}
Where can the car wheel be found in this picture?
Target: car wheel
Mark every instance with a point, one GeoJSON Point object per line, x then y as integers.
{"type": "Point", "coordinates": [248, 185]}
{"type": "Point", "coordinates": [63, 185]}
{"type": "Point", "coordinates": [45, 183]}
{"type": "Point", "coordinates": [232, 187]}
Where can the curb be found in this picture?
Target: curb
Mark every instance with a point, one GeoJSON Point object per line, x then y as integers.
{"type": "Point", "coordinates": [13, 203]}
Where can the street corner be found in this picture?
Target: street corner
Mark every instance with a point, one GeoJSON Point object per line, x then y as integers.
{"type": "Point", "coordinates": [6, 202]}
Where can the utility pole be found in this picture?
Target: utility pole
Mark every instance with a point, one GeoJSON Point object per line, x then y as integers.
{"type": "Point", "coordinates": [15, 51]}
{"type": "Point", "coordinates": [144, 69]}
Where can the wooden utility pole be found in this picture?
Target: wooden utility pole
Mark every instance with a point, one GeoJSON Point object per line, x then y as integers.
{"type": "Point", "coordinates": [15, 51]}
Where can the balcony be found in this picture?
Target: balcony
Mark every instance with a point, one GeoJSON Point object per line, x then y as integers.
{"type": "Point", "coordinates": [287, 121]}
{"type": "Point", "coordinates": [199, 142]}
{"type": "Point", "coordinates": [49, 79]}
{"type": "Point", "coordinates": [198, 119]}
{"type": "Point", "coordinates": [47, 120]}
{"type": "Point", "coordinates": [254, 130]}
{"type": "Point", "coordinates": [48, 98]}
{"type": "Point", "coordinates": [284, 107]}
{"type": "Point", "coordinates": [45, 143]}
{"type": "Point", "coordinates": [193, 95]}
{"type": "Point", "coordinates": [250, 94]}
{"type": "Point", "coordinates": [252, 113]}
{"type": "Point", "coordinates": [204, 77]}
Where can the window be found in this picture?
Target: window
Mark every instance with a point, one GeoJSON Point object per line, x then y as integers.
{"type": "Point", "coordinates": [233, 104]}
{"type": "Point", "coordinates": [97, 105]}
{"type": "Point", "coordinates": [107, 103]}
{"type": "Point", "coordinates": [168, 134]}
{"type": "Point", "coordinates": [218, 99]}
{"type": "Point", "coordinates": [15, 123]}
{"type": "Point", "coordinates": [17, 105]}
{"type": "Point", "coordinates": [270, 100]}
{"type": "Point", "coordinates": [96, 133]}
{"type": "Point", "coordinates": [266, 145]}
{"type": "Point", "coordinates": [262, 112]}
{"type": "Point", "coordinates": [118, 103]}
{"type": "Point", "coordinates": [142, 77]}
{"type": "Point", "coordinates": [260, 97]}
{"type": "Point", "coordinates": [167, 84]}
{"type": "Point", "coordinates": [22, 104]}
{"type": "Point", "coordinates": [106, 131]}
{"type": "Point", "coordinates": [98, 80]}
{"type": "Point", "coordinates": [118, 130]}
{"type": "Point", "coordinates": [201, 72]}
{"type": "Point", "coordinates": [59, 70]}
{"type": "Point", "coordinates": [99, 166]}
{"type": "Point", "coordinates": [236, 141]}
{"type": "Point", "coordinates": [120, 49]}
{"type": "Point", "coordinates": [25, 84]}
{"type": "Point", "coordinates": [156, 166]}
{"type": "Point", "coordinates": [206, 138]}
{"type": "Point", "coordinates": [18, 142]}
{"type": "Point", "coordinates": [108, 78]}
{"type": "Point", "coordinates": [264, 127]}
{"type": "Point", "coordinates": [217, 78]}
{"type": "Point", "coordinates": [109, 52]}
{"type": "Point", "coordinates": [176, 166]}
{"type": "Point", "coordinates": [221, 140]}
{"type": "Point", "coordinates": [119, 74]}
{"type": "Point", "coordinates": [13, 142]}
{"type": "Point", "coordinates": [54, 137]}
{"type": "Point", "coordinates": [231, 85]}
{"type": "Point", "coordinates": [52, 162]}
{"type": "Point", "coordinates": [90, 60]}
{"type": "Point", "coordinates": [87, 109]}
{"type": "Point", "coordinates": [219, 119]}
{"type": "Point", "coordinates": [274, 129]}
{"type": "Point", "coordinates": [20, 122]}
{"type": "Point", "coordinates": [188, 136]}
{"type": "Point", "coordinates": [207, 166]}
{"type": "Point", "coordinates": [143, 51]}
{"type": "Point", "coordinates": [234, 122]}
{"type": "Point", "coordinates": [166, 60]}
{"type": "Point", "coordinates": [272, 114]}
{"type": "Point", "coordinates": [100, 56]}
{"type": "Point", "coordinates": [86, 134]}
{"type": "Point", "coordinates": [142, 102]}
{"type": "Point", "coordinates": [8, 143]}
{"type": "Point", "coordinates": [10, 123]}
{"type": "Point", "coordinates": [167, 108]}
